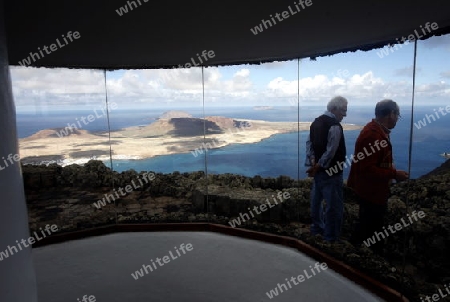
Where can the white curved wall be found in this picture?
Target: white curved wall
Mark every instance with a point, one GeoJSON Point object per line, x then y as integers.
{"type": "Point", "coordinates": [17, 277]}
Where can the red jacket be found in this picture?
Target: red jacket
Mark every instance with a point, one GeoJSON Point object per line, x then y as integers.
{"type": "Point", "coordinates": [372, 171]}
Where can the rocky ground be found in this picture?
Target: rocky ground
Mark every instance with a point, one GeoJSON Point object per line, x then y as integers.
{"type": "Point", "coordinates": [414, 262]}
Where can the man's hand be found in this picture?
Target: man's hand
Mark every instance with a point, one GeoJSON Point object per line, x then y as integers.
{"type": "Point", "coordinates": [401, 175]}
{"type": "Point", "coordinates": [313, 170]}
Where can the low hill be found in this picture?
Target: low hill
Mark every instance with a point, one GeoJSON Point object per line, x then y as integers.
{"type": "Point", "coordinates": [57, 133]}
{"type": "Point", "coordinates": [193, 127]}
{"type": "Point", "coordinates": [441, 170]}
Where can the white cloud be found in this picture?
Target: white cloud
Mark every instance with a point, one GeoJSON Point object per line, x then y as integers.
{"type": "Point", "coordinates": [78, 87]}
{"type": "Point", "coordinates": [445, 74]}
{"type": "Point", "coordinates": [57, 87]}
{"type": "Point", "coordinates": [134, 88]}
{"type": "Point", "coordinates": [406, 71]}
{"type": "Point", "coordinates": [58, 80]}
{"type": "Point", "coordinates": [434, 90]}
{"type": "Point", "coordinates": [321, 86]}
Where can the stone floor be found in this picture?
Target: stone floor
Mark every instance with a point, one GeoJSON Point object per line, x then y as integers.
{"type": "Point", "coordinates": [209, 267]}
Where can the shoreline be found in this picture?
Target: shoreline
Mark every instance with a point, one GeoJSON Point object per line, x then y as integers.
{"type": "Point", "coordinates": [162, 137]}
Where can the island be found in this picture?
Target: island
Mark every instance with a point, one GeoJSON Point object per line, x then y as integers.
{"type": "Point", "coordinates": [173, 132]}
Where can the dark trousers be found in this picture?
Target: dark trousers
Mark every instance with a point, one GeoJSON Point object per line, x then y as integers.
{"type": "Point", "coordinates": [371, 220]}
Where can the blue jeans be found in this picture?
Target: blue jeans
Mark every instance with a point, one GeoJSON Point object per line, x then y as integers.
{"type": "Point", "coordinates": [328, 221]}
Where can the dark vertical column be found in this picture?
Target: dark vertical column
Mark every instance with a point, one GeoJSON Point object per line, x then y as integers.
{"type": "Point", "coordinates": [17, 277]}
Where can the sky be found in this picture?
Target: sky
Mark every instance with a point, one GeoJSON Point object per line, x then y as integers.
{"type": "Point", "coordinates": [363, 77]}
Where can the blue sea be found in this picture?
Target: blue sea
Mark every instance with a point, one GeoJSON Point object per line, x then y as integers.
{"type": "Point", "coordinates": [281, 154]}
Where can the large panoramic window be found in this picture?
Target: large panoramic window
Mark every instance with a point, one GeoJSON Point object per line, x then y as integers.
{"type": "Point", "coordinates": [208, 144]}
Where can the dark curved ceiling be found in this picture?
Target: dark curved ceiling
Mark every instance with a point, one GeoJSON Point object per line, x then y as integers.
{"type": "Point", "coordinates": [164, 34]}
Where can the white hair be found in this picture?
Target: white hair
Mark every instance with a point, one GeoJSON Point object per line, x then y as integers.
{"type": "Point", "coordinates": [338, 102]}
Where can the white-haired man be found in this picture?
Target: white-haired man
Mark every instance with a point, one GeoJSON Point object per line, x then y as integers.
{"type": "Point", "coordinates": [325, 148]}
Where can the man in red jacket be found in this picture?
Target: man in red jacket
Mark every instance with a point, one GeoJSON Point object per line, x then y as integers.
{"type": "Point", "coordinates": [373, 170]}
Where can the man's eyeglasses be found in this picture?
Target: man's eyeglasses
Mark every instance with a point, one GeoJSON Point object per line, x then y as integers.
{"type": "Point", "coordinates": [397, 114]}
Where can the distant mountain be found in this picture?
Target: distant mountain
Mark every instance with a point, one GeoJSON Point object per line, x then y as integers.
{"type": "Point", "coordinates": [174, 114]}
{"type": "Point", "coordinates": [189, 126]}
{"type": "Point", "coordinates": [262, 108]}
{"type": "Point", "coordinates": [50, 133]}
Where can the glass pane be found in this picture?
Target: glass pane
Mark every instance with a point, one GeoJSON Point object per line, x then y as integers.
{"type": "Point", "coordinates": [155, 127]}
{"type": "Point", "coordinates": [61, 122]}
{"type": "Point", "coordinates": [251, 144]}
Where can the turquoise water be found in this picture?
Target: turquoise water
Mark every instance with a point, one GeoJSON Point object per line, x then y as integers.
{"type": "Point", "coordinates": [274, 156]}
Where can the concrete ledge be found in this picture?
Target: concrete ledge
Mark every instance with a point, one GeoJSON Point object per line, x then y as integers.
{"type": "Point", "coordinates": [347, 271]}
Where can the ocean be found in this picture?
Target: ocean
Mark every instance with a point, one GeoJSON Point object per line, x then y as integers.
{"type": "Point", "coordinates": [281, 154]}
